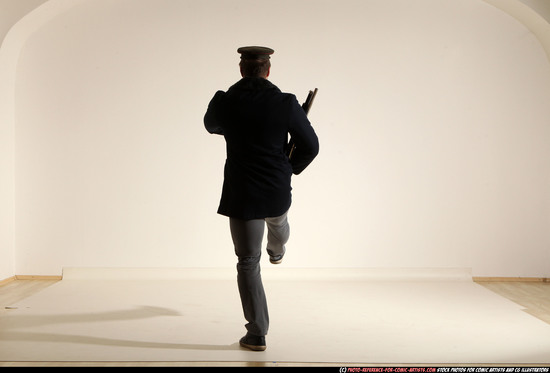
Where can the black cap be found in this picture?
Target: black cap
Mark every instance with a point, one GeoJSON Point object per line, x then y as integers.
{"type": "Point", "coordinates": [255, 53]}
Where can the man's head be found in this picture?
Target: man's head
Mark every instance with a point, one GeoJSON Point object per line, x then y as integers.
{"type": "Point", "coordinates": [255, 61]}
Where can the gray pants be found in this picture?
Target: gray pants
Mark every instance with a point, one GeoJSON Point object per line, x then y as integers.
{"type": "Point", "coordinates": [247, 237]}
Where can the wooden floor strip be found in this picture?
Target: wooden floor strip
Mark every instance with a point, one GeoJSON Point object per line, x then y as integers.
{"type": "Point", "coordinates": [511, 279]}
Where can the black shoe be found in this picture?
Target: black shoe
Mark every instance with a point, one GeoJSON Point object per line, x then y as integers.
{"type": "Point", "coordinates": [253, 342]}
{"type": "Point", "coordinates": [276, 259]}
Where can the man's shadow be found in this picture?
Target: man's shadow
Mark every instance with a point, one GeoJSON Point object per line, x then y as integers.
{"type": "Point", "coordinates": [12, 328]}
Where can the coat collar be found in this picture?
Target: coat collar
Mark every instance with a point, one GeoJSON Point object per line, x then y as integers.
{"type": "Point", "coordinates": [253, 84]}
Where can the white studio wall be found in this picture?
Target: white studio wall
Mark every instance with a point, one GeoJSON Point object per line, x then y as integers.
{"type": "Point", "coordinates": [432, 117]}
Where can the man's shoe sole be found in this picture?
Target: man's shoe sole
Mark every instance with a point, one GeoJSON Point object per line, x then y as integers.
{"type": "Point", "coordinates": [253, 347]}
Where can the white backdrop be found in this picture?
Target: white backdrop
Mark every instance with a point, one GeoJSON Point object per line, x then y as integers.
{"type": "Point", "coordinates": [432, 117]}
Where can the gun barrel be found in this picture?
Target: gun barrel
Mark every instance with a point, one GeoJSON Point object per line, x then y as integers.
{"type": "Point", "coordinates": [309, 100]}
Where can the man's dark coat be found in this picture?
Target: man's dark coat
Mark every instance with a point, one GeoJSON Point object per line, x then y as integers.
{"type": "Point", "coordinates": [255, 118]}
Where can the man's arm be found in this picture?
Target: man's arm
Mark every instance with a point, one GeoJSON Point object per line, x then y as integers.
{"type": "Point", "coordinates": [304, 138]}
{"type": "Point", "coordinates": [306, 106]}
{"type": "Point", "coordinates": [211, 122]}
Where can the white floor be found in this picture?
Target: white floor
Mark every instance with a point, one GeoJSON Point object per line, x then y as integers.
{"type": "Point", "coordinates": [324, 316]}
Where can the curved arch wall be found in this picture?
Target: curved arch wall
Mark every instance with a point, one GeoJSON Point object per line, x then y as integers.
{"type": "Point", "coordinates": [18, 20]}
{"type": "Point", "coordinates": [432, 118]}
